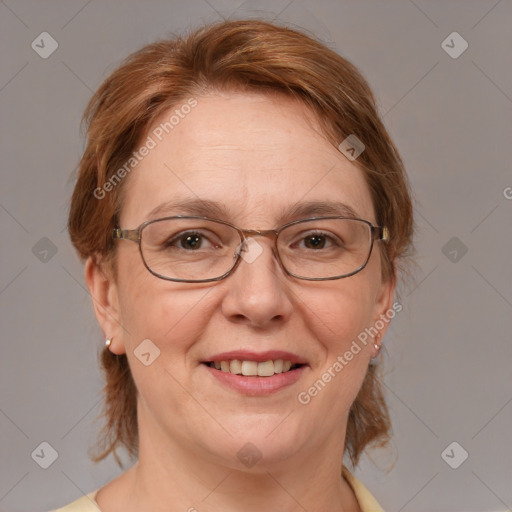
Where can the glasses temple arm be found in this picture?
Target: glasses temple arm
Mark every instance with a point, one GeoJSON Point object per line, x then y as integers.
{"type": "Point", "coordinates": [380, 233]}
{"type": "Point", "coordinates": [126, 234]}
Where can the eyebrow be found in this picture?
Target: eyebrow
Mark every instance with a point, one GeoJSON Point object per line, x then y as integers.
{"type": "Point", "coordinates": [215, 210]}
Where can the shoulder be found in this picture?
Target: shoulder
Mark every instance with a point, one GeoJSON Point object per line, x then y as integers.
{"type": "Point", "coordinates": [366, 501]}
{"type": "Point", "coordinates": [86, 503]}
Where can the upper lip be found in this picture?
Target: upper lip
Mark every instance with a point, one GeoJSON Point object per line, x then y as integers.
{"type": "Point", "coordinates": [259, 357]}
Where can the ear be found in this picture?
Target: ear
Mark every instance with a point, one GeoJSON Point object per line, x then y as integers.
{"type": "Point", "coordinates": [384, 308]}
{"type": "Point", "coordinates": [105, 298]}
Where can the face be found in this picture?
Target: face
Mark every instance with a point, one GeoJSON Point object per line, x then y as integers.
{"type": "Point", "coordinates": [256, 157]}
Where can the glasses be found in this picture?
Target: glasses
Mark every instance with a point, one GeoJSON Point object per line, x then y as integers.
{"type": "Point", "coordinates": [194, 249]}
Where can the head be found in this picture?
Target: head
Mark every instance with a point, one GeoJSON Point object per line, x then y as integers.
{"type": "Point", "coordinates": [246, 118]}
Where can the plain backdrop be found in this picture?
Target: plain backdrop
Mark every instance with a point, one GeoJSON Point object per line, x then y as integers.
{"type": "Point", "coordinates": [448, 354]}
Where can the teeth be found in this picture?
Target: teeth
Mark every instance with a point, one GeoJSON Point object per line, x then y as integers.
{"type": "Point", "coordinates": [253, 368]}
{"type": "Point", "coordinates": [266, 369]}
{"type": "Point", "coordinates": [235, 367]}
{"type": "Point", "coordinates": [249, 368]}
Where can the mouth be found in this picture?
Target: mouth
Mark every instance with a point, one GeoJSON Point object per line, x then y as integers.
{"type": "Point", "coordinates": [256, 374]}
{"type": "Point", "coordinates": [250, 368]}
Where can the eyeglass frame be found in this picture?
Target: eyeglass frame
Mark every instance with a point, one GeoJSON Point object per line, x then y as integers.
{"type": "Point", "coordinates": [377, 233]}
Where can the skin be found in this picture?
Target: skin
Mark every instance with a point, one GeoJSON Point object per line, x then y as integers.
{"type": "Point", "coordinates": [254, 154]}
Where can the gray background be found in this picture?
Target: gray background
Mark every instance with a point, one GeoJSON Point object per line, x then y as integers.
{"type": "Point", "coordinates": [448, 361]}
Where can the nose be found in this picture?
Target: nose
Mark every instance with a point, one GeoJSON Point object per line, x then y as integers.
{"type": "Point", "coordinates": [257, 293]}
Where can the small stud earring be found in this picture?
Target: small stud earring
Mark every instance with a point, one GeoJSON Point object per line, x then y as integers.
{"type": "Point", "coordinates": [108, 342]}
{"type": "Point", "coordinates": [375, 358]}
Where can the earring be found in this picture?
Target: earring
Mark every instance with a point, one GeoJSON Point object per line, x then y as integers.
{"type": "Point", "coordinates": [108, 342]}
{"type": "Point", "coordinates": [375, 358]}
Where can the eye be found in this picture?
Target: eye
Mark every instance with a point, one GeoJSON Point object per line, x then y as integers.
{"type": "Point", "coordinates": [190, 241]}
{"type": "Point", "coordinates": [316, 241]}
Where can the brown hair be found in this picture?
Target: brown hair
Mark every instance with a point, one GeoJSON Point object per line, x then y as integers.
{"type": "Point", "coordinates": [245, 55]}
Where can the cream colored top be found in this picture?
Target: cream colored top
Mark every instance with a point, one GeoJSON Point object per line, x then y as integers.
{"type": "Point", "coordinates": [366, 501]}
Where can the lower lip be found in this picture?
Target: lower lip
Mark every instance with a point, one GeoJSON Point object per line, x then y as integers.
{"type": "Point", "coordinates": [257, 386]}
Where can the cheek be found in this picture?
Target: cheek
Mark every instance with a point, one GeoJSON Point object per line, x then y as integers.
{"type": "Point", "coordinates": [339, 313]}
{"type": "Point", "coordinates": [167, 313]}
{"type": "Point", "coordinates": [173, 319]}
{"type": "Point", "coordinates": [167, 316]}
{"type": "Point", "coordinates": [337, 316]}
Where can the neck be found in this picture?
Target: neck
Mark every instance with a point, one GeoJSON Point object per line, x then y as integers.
{"type": "Point", "coordinates": [172, 476]}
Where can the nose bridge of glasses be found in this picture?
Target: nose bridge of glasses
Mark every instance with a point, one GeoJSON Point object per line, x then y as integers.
{"type": "Point", "coordinates": [270, 234]}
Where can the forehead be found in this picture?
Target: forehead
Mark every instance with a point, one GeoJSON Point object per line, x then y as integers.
{"type": "Point", "coordinates": [254, 155]}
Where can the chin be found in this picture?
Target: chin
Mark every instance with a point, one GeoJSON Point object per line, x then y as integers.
{"type": "Point", "coordinates": [260, 441]}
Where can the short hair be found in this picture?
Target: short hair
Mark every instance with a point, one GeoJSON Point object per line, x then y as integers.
{"type": "Point", "coordinates": [233, 56]}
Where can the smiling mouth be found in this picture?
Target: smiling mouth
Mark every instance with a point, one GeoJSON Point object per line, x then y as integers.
{"type": "Point", "coordinates": [254, 368]}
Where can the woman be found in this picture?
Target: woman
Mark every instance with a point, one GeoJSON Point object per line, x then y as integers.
{"type": "Point", "coordinates": [242, 214]}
